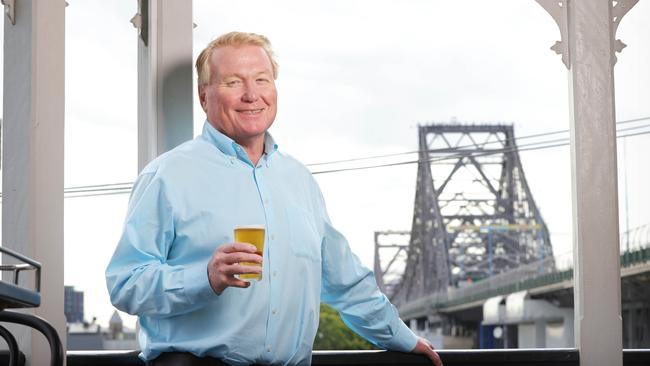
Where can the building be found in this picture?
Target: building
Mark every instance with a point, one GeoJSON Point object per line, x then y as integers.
{"type": "Point", "coordinates": [73, 305]}
{"type": "Point", "coordinates": [84, 336]}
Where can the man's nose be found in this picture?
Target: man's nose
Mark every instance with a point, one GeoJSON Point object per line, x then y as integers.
{"type": "Point", "coordinates": [251, 93]}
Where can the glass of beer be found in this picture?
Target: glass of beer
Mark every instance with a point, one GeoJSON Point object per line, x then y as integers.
{"type": "Point", "coordinates": [252, 234]}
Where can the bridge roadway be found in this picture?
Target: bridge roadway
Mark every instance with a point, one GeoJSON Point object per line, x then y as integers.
{"type": "Point", "coordinates": [633, 264]}
{"type": "Point", "coordinates": [465, 304]}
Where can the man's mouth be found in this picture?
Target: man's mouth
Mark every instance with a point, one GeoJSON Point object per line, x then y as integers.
{"type": "Point", "coordinates": [251, 112]}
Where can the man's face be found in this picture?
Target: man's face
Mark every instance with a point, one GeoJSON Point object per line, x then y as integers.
{"type": "Point", "coordinates": [240, 100]}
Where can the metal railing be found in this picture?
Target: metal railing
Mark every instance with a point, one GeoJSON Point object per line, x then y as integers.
{"type": "Point", "coordinates": [519, 357]}
{"type": "Point", "coordinates": [635, 249]}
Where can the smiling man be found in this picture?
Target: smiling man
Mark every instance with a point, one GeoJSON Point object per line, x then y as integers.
{"type": "Point", "coordinates": [178, 268]}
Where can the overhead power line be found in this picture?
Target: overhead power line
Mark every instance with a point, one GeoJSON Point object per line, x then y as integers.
{"type": "Point", "coordinates": [100, 186]}
{"type": "Point", "coordinates": [125, 187]}
{"type": "Point", "coordinates": [461, 147]}
{"type": "Point", "coordinates": [547, 144]}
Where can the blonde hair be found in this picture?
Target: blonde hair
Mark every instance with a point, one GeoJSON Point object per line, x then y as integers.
{"type": "Point", "coordinates": [235, 39]}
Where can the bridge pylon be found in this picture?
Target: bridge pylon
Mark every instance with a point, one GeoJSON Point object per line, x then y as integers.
{"type": "Point", "coordinates": [474, 214]}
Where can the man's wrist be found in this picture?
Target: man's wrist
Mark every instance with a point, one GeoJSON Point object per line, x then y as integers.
{"type": "Point", "coordinates": [404, 340]}
{"type": "Point", "coordinates": [197, 283]}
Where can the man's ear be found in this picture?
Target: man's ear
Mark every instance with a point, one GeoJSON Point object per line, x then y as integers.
{"type": "Point", "coordinates": [202, 99]}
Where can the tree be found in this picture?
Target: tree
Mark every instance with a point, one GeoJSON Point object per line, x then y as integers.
{"type": "Point", "coordinates": [333, 334]}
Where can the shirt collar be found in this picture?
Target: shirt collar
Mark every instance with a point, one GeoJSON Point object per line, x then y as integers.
{"type": "Point", "coordinates": [228, 146]}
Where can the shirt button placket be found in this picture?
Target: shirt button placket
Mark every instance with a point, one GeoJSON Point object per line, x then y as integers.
{"type": "Point", "coordinates": [271, 237]}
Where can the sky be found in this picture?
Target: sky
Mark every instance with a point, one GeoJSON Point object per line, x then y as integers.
{"type": "Point", "coordinates": [356, 79]}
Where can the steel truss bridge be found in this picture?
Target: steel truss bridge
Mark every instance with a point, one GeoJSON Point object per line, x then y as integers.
{"type": "Point", "coordinates": [477, 218]}
{"type": "Point", "coordinates": [478, 234]}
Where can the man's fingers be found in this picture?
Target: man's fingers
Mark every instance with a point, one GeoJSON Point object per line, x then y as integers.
{"type": "Point", "coordinates": [435, 358]}
{"type": "Point", "coordinates": [238, 257]}
{"type": "Point", "coordinates": [423, 346]}
{"type": "Point", "coordinates": [230, 260]}
{"type": "Point", "coordinates": [238, 247]}
{"type": "Point", "coordinates": [238, 283]}
{"type": "Point", "coordinates": [236, 269]}
{"type": "Point", "coordinates": [433, 355]}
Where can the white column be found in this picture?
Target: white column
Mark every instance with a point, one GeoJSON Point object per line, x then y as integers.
{"type": "Point", "coordinates": [540, 333]}
{"type": "Point", "coordinates": [164, 77]}
{"type": "Point", "coordinates": [594, 183]}
{"type": "Point", "coordinates": [568, 334]}
{"type": "Point", "coordinates": [32, 165]}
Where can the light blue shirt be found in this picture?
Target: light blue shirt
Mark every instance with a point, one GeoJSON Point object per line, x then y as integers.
{"type": "Point", "coordinates": [185, 204]}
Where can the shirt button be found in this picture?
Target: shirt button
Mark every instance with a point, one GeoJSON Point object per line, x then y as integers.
{"type": "Point", "coordinates": [274, 312]}
{"type": "Point", "coordinates": [272, 237]}
{"type": "Point", "coordinates": [275, 273]}
{"type": "Point", "coordinates": [266, 201]}
{"type": "Point", "coordinates": [268, 349]}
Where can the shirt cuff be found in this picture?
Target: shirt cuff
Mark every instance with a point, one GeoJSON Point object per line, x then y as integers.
{"type": "Point", "coordinates": [196, 284]}
{"type": "Point", "coordinates": [404, 340]}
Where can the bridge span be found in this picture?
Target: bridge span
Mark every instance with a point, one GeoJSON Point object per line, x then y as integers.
{"type": "Point", "coordinates": [528, 306]}
{"type": "Point", "coordinates": [477, 269]}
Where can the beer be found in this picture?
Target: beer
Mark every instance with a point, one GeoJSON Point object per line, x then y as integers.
{"type": "Point", "coordinates": [252, 234]}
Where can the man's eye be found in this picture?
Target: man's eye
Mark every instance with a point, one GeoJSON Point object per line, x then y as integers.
{"type": "Point", "coordinates": [262, 80]}
{"type": "Point", "coordinates": [233, 83]}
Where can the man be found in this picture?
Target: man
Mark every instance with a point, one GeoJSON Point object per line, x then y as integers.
{"type": "Point", "coordinates": [176, 265]}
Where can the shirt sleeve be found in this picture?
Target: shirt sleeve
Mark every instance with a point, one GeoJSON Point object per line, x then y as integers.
{"type": "Point", "coordinates": [138, 277]}
{"type": "Point", "coordinates": [352, 290]}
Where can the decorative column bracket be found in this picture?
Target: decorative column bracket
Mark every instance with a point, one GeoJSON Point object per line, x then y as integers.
{"type": "Point", "coordinates": [558, 9]}
{"type": "Point", "coordinates": [10, 10]}
{"type": "Point", "coordinates": [141, 21]}
{"type": "Point", "coordinates": [619, 9]}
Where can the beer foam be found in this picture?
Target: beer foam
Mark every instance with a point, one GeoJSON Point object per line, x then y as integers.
{"type": "Point", "coordinates": [258, 227]}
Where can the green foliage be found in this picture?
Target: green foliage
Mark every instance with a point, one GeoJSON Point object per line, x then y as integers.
{"type": "Point", "coordinates": [333, 334]}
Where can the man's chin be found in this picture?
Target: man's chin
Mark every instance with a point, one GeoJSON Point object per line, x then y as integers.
{"type": "Point", "coordinates": [251, 134]}
{"type": "Point", "coordinates": [255, 128]}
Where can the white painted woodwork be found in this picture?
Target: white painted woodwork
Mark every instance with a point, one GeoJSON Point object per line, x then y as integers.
{"type": "Point", "coordinates": [164, 78]}
{"type": "Point", "coordinates": [32, 166]}
{"type": "Point", "coordinates": [597, 294]}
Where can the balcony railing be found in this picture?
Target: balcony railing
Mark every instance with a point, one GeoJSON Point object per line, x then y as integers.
{"type": "Point", "coordinates": [522, 357]}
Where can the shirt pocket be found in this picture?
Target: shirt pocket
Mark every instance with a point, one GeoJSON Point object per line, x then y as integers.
{"type": "Point", "coordinates": [304, 239]}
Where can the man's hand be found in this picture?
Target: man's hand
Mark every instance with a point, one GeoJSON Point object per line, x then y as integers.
{"type": "Point", "coordinates": [224, 265]}
{"type": "Point", "coordinates": [425, 347]}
